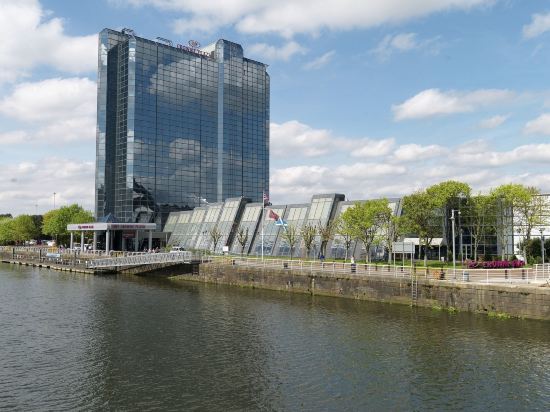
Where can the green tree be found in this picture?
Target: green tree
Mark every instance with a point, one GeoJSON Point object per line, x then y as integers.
{"type": "Point", "coordinates": [326, 233]}
{"type": "Point", "coordinates": [449, 193]}
{"type": "Point", "coordinates": [55, 221]}
{"type": "Point", "coordinates": [422, 215]}
{"type": "Point", "coordinates": [479, 217]}
{"type": "Point", "coordinates": [24, 228]}
{"type": "Point", "coordinates": [366, 220]}
{"type": "Point", "coordinates": [390, 231]}
{"type": "Point", "coordinates": [515, 200]}
{"type": "Point", "coordinates": [308, 233]}
{"type": "Point", "coordinates": [290, 236]}
{"type": "Point", "coordinates": [345, 230]}
{"type": "Point", "coordinates": [6, 230]}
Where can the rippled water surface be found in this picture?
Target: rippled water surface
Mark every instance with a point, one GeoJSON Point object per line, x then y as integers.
{"type": "Point", "coordinates": [76, 342]}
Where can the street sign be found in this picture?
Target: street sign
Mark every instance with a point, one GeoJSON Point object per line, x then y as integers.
{"type": "Point", "coordinates": [402, 247]}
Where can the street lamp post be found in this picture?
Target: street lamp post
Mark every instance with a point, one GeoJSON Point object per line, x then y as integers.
{"type": "Point", "coordinates": [541, 230]}
{"type": "Point", "coordinates": [54, 200]}
{"type": "Point", "coordinates": [454, 246]}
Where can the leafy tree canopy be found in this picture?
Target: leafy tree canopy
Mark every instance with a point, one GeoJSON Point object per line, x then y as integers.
{"type": "Point", "coordinates": [445, 192]}
{"type": "Point", "coordinates": [55, 221]}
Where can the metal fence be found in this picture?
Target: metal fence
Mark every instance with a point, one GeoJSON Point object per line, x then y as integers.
{"type": "Point", "coordinates": [524, 275]}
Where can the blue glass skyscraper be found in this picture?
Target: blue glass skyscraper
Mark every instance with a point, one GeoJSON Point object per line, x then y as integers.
{"type": "Point", "coordinates": [177, 127]}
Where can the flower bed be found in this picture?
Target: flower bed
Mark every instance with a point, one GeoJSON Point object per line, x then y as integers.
{"type": "Point", "coordinates": [496, 264]}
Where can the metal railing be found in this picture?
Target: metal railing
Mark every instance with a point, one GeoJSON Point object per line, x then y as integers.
{"type": "Point", "coordinates": [141, 259]}
{"type": "Point", "coordinates": [522, 275]}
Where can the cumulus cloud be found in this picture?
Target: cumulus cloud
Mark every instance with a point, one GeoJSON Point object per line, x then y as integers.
{"type": "Point", "coordinates": [540, 23]}
{"type": "Point", "coordinates": [27, 184]}
{"type": "Point", "coordinates": [320, 61]}
{"type": "Point", "coordinates": [407, 167]}
{"type": "Point", "coordinates": [416, 152]}
{"type": "Point", "coordinates": [532, 153]}
{"type": "Point", "coordinates": [493, 122]}
{"type": "Point", "coordinates": [270, 52]}
{"type": "Point", "coordinates": [290, 17]}
{"type": "Point", "coordinates": [540, 125]}
{"type": "Point", "coordinates": [53, 110]}
{"type": "Point", "coordinates": [434, 102]}
{"type": "Point", "coordinates": [30, 39]}
{"type": "Point", "coordinates": [295, 139]}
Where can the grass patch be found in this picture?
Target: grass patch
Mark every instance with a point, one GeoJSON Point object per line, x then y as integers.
{"type": "Point", "coordinates": [498, 315]}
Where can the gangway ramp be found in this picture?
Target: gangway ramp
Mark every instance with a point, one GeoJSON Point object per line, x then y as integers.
{"type": "Point", "coordinates": [142, 259]}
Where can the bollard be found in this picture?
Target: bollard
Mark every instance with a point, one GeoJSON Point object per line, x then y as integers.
{"type": "Point", "coordinates": [353, 268]}
{"type": "Point", "coordinates": [442, 275]}
{"type": "Point", "coordinates": [505, 273]}
{"type": "Point", "coordinates": [523, 274]}
{"type": "Point", "coordinates": [465, 276]}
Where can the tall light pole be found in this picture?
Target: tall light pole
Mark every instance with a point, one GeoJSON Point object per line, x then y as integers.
{"type": "Point", "coordinates": [453, 231]}
{"type": "Point", "coordinates": [54, 200]}
{"type": "Point", "coordinates": [541, 230]}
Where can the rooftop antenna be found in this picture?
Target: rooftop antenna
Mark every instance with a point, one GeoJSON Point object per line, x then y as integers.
{"type": "Point", "coordinates": [164, 41]}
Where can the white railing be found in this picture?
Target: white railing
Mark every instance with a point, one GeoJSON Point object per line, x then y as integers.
{"type": "Point", "coordinates": [522, 275]}
{"type": "Point", "coordinates": [141, 259]}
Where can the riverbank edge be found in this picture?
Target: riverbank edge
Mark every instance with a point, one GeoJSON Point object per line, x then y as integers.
{"type": "Point", "coordinates": [499, 300]}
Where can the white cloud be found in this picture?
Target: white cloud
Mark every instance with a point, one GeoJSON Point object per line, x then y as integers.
{"type": "Point", "coordinates": [26, 184]}
{"type": "Point", "coordinates": [433, 102]}
{"type": "Point", "coordinates": [295, 139]}
{"type": "Point", "coordinates": [270, 52]}
{"type": "Point", "coordinates": [372, 148]}
{"type": "Point", "coordinates": [404, 42]}
{"type": "Point", "coordinates": [52, 109]}
{"type": "Point", "coordinates": [289, 17]}
{"type": "Point", "coordinates": [30, 39]}
{"type": "Point", "coordinates": [540, 23]}
{"type": "Point", "coordinates": [540, 125]}
{"type": "Point", "coordinates": [530, 154]}
{"type": "Point", "coordinates": [320, 61]}
{"type": "Point", "coordinates": [492, 122]}
{"type": "Point", "coordinates": [414, 152]}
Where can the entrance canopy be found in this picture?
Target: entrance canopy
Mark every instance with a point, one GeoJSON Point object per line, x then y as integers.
{"type": "Point", "coordinates": [108, 227]}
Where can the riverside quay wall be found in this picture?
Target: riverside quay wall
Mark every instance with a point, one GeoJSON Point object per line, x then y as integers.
{"type": "Point", "coordinates": [516, 300]}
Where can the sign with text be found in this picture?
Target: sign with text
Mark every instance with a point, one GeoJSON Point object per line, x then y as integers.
{"type": "Point", "coordinates": [402, 247]}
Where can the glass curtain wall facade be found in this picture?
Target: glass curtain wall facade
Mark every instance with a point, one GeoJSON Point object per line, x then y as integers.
{"type": "Point", "coordinates": [248, 225]}
{"type": "Point", "coordinates": [177, 127]}
{"type": "Point", "coordinates": [271, 232]}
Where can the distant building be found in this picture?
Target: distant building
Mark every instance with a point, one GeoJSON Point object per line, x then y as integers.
{"type": "Point", "coordinates": [192, 229]}
{"type": "Point", "coordinates": [177, 127]}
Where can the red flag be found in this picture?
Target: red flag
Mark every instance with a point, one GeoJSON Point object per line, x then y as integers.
{"type": "Point", "coordinates": [273, 215]}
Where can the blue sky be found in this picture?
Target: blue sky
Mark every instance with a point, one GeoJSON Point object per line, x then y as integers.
{"type": "Point", "coordinates": [368, 99]}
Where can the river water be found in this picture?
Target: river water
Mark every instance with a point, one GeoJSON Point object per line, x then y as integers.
{"type": "Point", "coordinates": [78, 342]}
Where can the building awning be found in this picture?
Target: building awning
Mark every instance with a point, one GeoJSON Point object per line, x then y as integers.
{"type": "Point", "coordinates": [436, 241]}
{"type": "Point", "coordinates": [103, 226]}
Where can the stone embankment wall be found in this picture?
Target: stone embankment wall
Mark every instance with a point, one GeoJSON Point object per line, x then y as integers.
{"type": "Point", "coordinates": [529, 301]}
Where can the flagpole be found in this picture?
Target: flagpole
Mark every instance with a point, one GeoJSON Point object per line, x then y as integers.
{"type": "Point", "coordinates": [263, 219]}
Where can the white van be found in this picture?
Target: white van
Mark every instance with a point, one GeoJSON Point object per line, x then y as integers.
{"type": "Point", "coordinates": [176, 249]}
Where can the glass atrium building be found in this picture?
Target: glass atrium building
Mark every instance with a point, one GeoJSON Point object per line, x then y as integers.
{"type": "Point", "coordinates": [177, 127]}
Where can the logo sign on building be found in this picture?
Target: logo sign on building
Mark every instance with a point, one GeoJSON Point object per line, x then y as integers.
{"type": "Point", "coordinates": [402, 247]}
{"type": "Point", "coordinates": [193, 47]}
